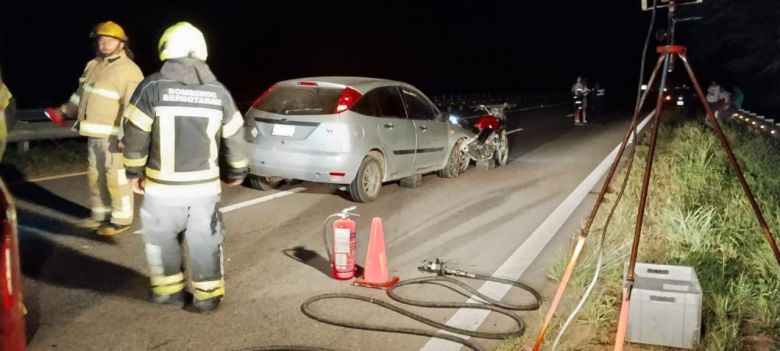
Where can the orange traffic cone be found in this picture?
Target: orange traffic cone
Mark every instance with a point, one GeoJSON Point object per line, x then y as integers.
{"type": "Point", "coordinates": [375, 271]}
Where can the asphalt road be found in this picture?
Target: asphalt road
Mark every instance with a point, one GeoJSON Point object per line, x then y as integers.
{"type": "Point", "coordinates": [90, 293]}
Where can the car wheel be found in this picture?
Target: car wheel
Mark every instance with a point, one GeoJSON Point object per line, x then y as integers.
{"type": "Point", "coordinates": [265, 183]}
{"type": "Point", "coordinates": [502, 150]}
{"type": "Point", "coordinates": [368, 181]}
{"type": "Point", "coordinates": [453, 166]}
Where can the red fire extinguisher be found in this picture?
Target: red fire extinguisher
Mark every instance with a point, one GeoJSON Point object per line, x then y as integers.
{"type": "Point", "coordinates": [342, 252]}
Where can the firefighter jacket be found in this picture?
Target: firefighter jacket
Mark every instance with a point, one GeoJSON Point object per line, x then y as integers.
{"type": "Point", "coordinates": [5, 97]}
{"type": "Point", "coordinates": [104, 90]}
{"type": "Point", "coordinates": [177, 122]}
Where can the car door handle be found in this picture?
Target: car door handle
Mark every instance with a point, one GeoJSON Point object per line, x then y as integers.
{"type": "Point", "coordinates": [423, 128]}
{"type": "Point", "coordinates": [389, 125]}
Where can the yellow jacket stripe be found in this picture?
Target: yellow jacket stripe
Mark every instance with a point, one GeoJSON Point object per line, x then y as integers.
{"type": "Point", "coordinates": [100, 129]}
{"type": "Point", "coordinates": [106, 93]}
{"type": "Point", "coordinates": [167, 279]}
{"type": "Point", "coordinates": [140, 162]}
{"type": "Point", "coordinates": [235, 123]}
{"type": "Point", "coordinates": [239, 164]}
{"type": "Point", "coordinates": [75, 99]}
{"type": "Point", "coordinates": [208, 289]}
{"type": "Point", "coordinates": [138, 118]}
{"type": "Point", "coordinates": [182, 176]}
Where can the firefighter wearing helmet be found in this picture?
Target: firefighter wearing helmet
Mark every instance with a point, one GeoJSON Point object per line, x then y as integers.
{"type": "Point", "coordinates": [103, 92]}
{"type": "Point", "coordinates": [177, 122]}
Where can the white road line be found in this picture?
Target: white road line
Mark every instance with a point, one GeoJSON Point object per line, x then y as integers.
{"type": "Point", "coordinates": [524, 256]}
{"type": "Point", "coordinates": [255, 201]}
{"type": "Point", "coordinates": [514, 130]}
{"type": "Point", "coordinates": [258, 200]}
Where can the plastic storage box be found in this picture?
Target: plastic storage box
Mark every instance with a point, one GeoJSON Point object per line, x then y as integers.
{"type": "Point", "coordinates": [665, 306]}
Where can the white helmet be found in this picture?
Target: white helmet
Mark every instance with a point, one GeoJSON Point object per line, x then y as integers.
{"type": "Point", "coordinates": [182, 40]}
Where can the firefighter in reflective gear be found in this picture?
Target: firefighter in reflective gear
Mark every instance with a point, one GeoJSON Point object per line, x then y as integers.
{"type": "Point", "coordinates": [7, 114]}
{"type": "Point", "coordinates": [104, 90]}
{"type": "Point", "coordinates": [175, 126]}
{"type": "Point", "coordinates": [580, 91]}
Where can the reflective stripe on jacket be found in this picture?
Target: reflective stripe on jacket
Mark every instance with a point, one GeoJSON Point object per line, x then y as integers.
{"type": "Point", "coordinates": [173, 133]}
{"type": "Point", "coordinates": [104, 90]}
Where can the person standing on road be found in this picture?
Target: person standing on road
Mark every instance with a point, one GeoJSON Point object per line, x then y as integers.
{"type": "Point", "coordinates": [577, 90]}
{"type": "Point", "coordinates": [739, 97]}
{"type": "Point", "coordinates": [104, 90]}
{"type": "Point", "coordinates": [175, 126]}
{"type": "Point", "coordinates": [713, 94]}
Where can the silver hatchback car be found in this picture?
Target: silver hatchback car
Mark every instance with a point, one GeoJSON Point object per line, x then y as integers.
{"type": "Point", "coordinates": [351, 131]}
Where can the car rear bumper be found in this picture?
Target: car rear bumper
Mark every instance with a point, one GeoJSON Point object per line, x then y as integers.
{"type": "Point", "coordinates": [309, 165]}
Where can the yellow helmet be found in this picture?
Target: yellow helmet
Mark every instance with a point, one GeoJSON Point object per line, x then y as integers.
{"type": "Point", "coordinates": [109, 29]}
{"type": "Point", "coordinates": [182, 40]}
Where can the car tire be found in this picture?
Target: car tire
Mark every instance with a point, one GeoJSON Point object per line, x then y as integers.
{"type": "Point", "coordinates": [453, 166]}
{"type": "Point", "coordinates": [502, 151]}
{"type": "Point", "coordinates": [368, 181]}
{"type": "Point", "coordinates": [265, 183]}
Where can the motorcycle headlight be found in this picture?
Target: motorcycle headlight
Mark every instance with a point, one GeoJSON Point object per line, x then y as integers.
{"type": "Point", "coordinates": [455, 120]}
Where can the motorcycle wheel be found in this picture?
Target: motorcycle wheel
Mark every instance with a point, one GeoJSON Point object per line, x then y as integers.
{"type": "Point", "coordinates": [502, 150]}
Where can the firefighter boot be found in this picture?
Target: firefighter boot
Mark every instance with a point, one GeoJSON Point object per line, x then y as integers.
{"type": "Point", "coordinates": [90, 223]}
{"type": "Point", "coordinates": [168, 289]}
{"type": "Point", "coordinates": [175, 299]}
{"type": "Point", "coordinates": [209, 305]}
{"type": "Point", "coordinates": [110, 229]}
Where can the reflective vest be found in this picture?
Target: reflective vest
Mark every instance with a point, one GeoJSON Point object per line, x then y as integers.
{"type": "Point", "coordinates": [5, 97]}
{"type": "Point", "coordinates": [104, 90]}
{"type": "Point", "coordinates": [173, 133]}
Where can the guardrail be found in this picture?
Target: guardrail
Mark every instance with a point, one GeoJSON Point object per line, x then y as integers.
{"type": "Point", "coordinates": [757, 123]}
{"type": "Point", "coordinates": [31, 125]}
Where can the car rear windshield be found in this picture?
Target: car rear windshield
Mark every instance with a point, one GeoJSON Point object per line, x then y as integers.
{"type": "Point", "coordinates": [300, 100]}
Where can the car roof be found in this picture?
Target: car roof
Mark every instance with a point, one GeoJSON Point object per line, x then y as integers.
{"type": "Point", "coordinates": [362, 84]}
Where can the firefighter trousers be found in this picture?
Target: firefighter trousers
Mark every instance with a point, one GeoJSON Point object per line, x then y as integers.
{"type": "Point", "coordinates": [200, 221]}
{"type": "Point", "coordinates": [111, 197]}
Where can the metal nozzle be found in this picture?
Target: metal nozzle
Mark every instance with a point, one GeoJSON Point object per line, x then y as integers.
{"type": "Point", "coordinates": [437, 266]}
{"type": "Point", "coordinates": [349, 211]}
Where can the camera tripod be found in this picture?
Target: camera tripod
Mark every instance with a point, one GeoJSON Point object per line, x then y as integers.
{"type": "Point", "coordinates": [667, 54]}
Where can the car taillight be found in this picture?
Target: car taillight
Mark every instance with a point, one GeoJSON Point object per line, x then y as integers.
{"type": "Point", "coordinates": [264, 95]}
{"type": "Point", "coordinates": [348, 98]}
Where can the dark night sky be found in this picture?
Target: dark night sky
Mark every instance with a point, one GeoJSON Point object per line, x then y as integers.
{"type": "Point", "coordinates": [438, 46]}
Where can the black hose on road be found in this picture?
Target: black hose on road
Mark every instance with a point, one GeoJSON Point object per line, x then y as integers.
{"type": "Point", "coordinates": [490, 305]}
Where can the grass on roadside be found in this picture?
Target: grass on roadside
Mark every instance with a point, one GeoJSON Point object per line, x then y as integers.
{"type": "Point", "coordinates": [697, 215]}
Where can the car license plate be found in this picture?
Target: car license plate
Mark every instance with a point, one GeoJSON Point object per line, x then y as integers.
{"type": "Point", "coordinates": [283, 130]}
{"type": "Point", "coordinates": [680, 103]}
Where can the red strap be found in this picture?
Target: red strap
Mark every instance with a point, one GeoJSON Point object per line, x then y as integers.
{"type": "Point", "coordinates": [561, 288]}
{"type": "Point", "coordinates": [54, 116]}
{"type": "Point", "coordinates": [620, 336]}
